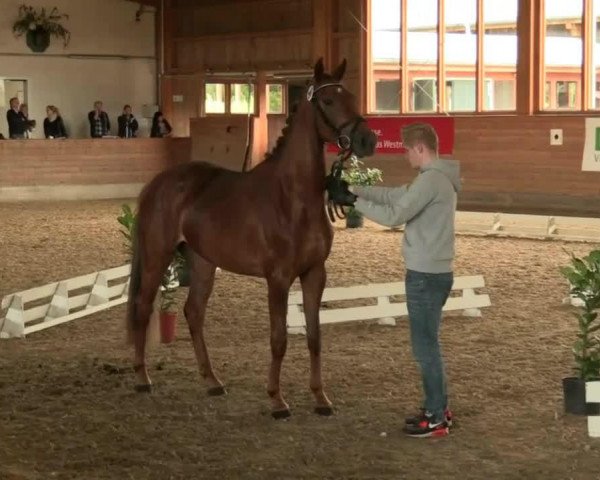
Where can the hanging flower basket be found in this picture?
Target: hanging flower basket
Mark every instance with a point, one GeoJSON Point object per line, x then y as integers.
{"type": "Point", "coordinates": [38, 27]}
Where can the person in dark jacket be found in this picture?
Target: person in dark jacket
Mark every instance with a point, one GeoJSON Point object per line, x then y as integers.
{"type": "Point", "coordinates": [54, 126]}
{"type": "Point", "coordinates": [128, 125]}
{"type": "Point", "coordinates": [160, 126]}
{"type": "Point", "coordinates": [99, 121]}
{"type": "Point", "coordinates": [18, 124]}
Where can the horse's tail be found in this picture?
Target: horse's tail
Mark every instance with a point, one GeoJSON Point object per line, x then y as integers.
{"type": "Point", "coordinates": [135, 280]}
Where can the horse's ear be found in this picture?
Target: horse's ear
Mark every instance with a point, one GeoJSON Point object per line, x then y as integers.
{"type": "Point", "coordinates": [338, 73]}
{"type": "Point", "coordinates": [319, 70]}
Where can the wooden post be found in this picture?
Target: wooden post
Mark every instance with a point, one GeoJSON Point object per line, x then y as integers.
{"type": "Point", "coordinates": [322, 12]}
{"type": "Point", "coordinates": [260, 131]}
{"type": "Point", "coordinates": [14, 322]}
{"type": "Point", "coordinates": [59, 305]}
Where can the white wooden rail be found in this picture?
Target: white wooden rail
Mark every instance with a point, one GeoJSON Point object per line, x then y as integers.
{"type": "Point", "coordinates": [592, 395]}
{"type": "Point", "coordinates": [43, 307]}
{"type": "Point", "coordinates": [385, 309]}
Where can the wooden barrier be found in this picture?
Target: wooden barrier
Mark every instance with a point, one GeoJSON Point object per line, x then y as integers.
{"type": "Point", "coordinates": [39, 308]}
{"type": "Point", "coordinates": [84, 168]}
{"type": "Point", "coordinates": [592, 395]}
{"type": "Point", "coordinates": [385, 308]}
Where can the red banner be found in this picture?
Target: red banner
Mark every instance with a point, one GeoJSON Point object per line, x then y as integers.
{"type": "Point", "coordinates": [388, 133]}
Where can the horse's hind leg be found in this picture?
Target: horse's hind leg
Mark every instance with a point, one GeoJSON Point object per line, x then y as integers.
{"type": "Point", "coordinates": [150, 281]}
{"type": "Point", "coordinates": [202, 276]}
{"type": "Point", "coordinates": [313, 283]}
{"type": "Point", "coordinates": [278, 298]}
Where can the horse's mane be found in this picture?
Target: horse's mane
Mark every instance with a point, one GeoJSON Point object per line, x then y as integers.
{"type": "Point", "coordinates": [274, 153]}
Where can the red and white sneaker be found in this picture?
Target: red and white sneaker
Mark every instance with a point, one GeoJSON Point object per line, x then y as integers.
{"type": "Point", "coordinates": [414, 419]}
{"type": "Point", "coordinates": [427, 427]}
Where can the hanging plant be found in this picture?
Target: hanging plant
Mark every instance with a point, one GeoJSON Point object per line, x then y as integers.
{"type": "Point", "coordinates": [39, 26]}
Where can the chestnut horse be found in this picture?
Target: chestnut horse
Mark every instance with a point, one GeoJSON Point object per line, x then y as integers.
{"type": "Point", "coordinates": [269, 222]}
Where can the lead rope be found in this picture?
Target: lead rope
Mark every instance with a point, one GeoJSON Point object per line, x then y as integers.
{"type": "Point", "coordinates": [337, 169]}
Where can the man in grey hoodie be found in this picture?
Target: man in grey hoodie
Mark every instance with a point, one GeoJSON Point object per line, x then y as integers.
{"type": "Point", "coordinates": [427, 207]}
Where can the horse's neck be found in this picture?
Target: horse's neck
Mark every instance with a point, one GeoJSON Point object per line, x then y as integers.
{"type": "Point", "coordinates": [301, 156]}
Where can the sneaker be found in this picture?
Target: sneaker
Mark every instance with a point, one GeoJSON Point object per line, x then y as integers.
{"type": "Point", "coordinates": [427, 428]}
{"type": "Point", "coordinates": [415, 419]}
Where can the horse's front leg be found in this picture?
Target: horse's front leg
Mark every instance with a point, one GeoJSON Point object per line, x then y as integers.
{"type": "Point", "coordinates": [313, 283]}
{"type": "Point", "coordinates": [278, 299]}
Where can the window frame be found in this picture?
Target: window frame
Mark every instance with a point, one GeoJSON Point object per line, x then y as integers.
{"type": "Point", "coordinates": [530, 69]}
{"type": "Point", "coordinates": [440, 71]}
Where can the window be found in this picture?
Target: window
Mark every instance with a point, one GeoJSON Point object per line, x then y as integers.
{"type": "Point", "coordinates": [445, 80]}
{"type": "Point", "coordinates": [563, 51]}
{"type": "Point", "coordinates": [214, 98]}
{"type": "Point", "coordinates": [384, 71]}
{"type": "Point", "coordinates": [242, 98]}
{"type": "Point", "coordinates": [275, 99]}
{"type": "Point", "coordinates": [422, 45]}
{"type": "Point", "coordinates": [424, 97]}
{"type": "Point", "coordinates": [500, 54]}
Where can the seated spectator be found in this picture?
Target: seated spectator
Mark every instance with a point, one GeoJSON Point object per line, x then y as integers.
{"type": "Point", "coordinates": [17, 122]}
{"type": "Point", "coordinates": [160, 126]}
{"type": "Point", "coordinates": [99, 121]}
{"type": "Point", "coordinates": [128, 125]}
{"type": "Point", "coordinates": [53, 123]}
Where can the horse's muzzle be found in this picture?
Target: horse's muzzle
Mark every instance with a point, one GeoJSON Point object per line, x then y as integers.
{"type": "Point", "coordinates": [364, 141]}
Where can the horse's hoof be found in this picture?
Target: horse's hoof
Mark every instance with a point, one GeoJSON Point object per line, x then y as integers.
{"type": "Point", "coordinates": [217, 391]}
{"type": "Point", "coordinates": [324, 411]}
{"type": "Point", "coordinates": [144, 388]}
{"type": "Point", "coordinates": [280, 414]}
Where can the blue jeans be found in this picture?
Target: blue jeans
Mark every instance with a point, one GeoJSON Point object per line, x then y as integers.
{"type": "Point", "coordinates": [426, 294]}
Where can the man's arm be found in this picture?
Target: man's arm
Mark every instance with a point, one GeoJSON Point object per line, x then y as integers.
{"type": "Point", "coordinates": [415, 199]}
{"type": "Point", "coordinates": [382, 195]}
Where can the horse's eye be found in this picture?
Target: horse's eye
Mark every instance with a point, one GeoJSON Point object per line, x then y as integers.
{"type": "Point", "coordinates": [328, 101]}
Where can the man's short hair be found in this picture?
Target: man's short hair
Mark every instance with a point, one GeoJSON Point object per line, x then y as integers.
{"type": "Point", "coordinates": [420, 133]}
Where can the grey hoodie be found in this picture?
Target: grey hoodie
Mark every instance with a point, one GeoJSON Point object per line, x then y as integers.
{"type": "Point", "coordinates": [426, 206]}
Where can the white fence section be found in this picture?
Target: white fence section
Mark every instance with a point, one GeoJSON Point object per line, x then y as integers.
{"type": "Point", "coordinates": [385, 308]}
{"type": "Point", "coordinates": [42, 307]}
{"type": "Point", "coordinates": [528, 226]}
{"type": "Point", "coordinates": [592, 395]}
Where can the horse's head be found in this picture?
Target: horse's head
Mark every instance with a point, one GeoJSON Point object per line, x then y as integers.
{"type": "Point", "coordinates": [338, 118]}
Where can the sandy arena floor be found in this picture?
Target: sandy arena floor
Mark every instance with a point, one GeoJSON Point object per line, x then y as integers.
{"type": "Point", "coordinates": [66, 412]}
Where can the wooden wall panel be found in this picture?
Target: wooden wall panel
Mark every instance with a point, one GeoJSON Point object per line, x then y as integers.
{"type": "Point", "coordinates": [241, 53]}
{"type": "Point", "coordinates": [181, 97]}
{"type": "Point", "coordinates": [88, 161]}
{"type": "Point", "coordinates": [248, 17]}
{"type": "Point", "coordinates": [220, 140]}
{"type": "Point", "coordinates": [508, 165]}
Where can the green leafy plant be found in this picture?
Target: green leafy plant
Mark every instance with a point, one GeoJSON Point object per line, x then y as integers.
{"type": "Point", "coordinates": [583, 276]}
{"type": "Point", "coordinates": [357, 174]}
{"type": "Point", "coordinates": [128, 220]}
{"type": "Point", "coordinates": [30, 20]}
{"type": "Point", "coordinates": [168, 289]}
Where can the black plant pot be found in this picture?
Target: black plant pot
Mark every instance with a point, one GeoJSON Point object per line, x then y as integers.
{"type": "Point", "coordinates": [354, 220]}
{"type": "Point", "coordinates": [38, 39]}
{"type": "Point", "coordinates": [574, 398]}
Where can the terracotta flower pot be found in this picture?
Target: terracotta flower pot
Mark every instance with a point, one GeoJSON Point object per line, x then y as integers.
{"type": "Point", "coordinates": [168, 326]}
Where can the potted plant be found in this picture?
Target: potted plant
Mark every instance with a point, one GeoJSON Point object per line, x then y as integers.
{"type": "Point", "coordinates": [583, 276]}
{"type": "Point", "coordinates": [168, 311]}
{"type": "Point", "coordinates": [38, 27]}
{"type": "Point", "coordinates": [356, 174]}
{"type": "Point", "coordinates": [169, 283]}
